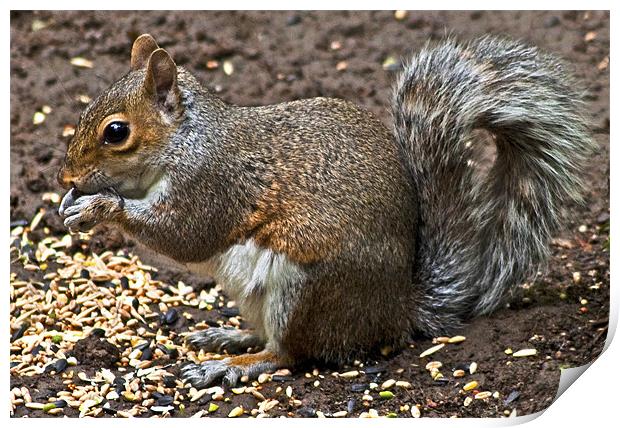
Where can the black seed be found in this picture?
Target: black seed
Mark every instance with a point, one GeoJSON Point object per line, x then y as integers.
{"type": "Point", "coordinates": [58, 366]}
{"type": "Point", "coordinates": [280, 378]}
{"type": "Point", "coordinates": [293, 20]}
{"type": "Point", "coordinates": [20, 331]}
{"type": "Point", "coordinates": [36, 350]}
{"type": "Point", "coordinates": [307, 412]}
{"type": "Point", "coordinates": [174, 353]}
{"type": "Point", "coordinates": [124, 282]}
{"type": "Point", "coordinates": [14, 364]}
{"type": "Point", "coordinates": [171, 316]}
{"type": "Point", "coordinates": [15, 243]}
{"type": "Point", "coordinates": [85, 274]}
{"type": "Point", "coordinates": [109, 410]}
{"type": "Point", "coordinates": [230, 312]}
{"type": "Point", "coordinates": [441, 381]}
{"type": "Point", "coordinates": [170, 382]}
{"type": "Point", "coordinates": [135, 303]}
{"type": "Point", "coordinates": [143, 346]}
{"type": "Point", "coordinates": [205, 399]}
{"type": "Point", "coordinates": [552, 21]}
{"type": "Point", "coordinates": [97, 332]}
{"type": "Point", "coordinates": [211, 323]}
{"type": "Point", "coordinates": [165, 400]}
{"type": "Point", "coordinates": [351, 405]}
{"type": "Point", "coordinates": [157, 395]}
{"type": "Point", "coordinates": [514, 395]}
{"type": "Point", "coordinates": [147, 354]}
{"type": "Point", "coordinates": [54, 348]}
{"type": "Point", "coordinates": [60, 404]}
{"type": "Point", "coordinates": [462, 366]}
{"type": "Point", "coordinates": [359, 387]}
{"type": "Point", "coordinates": [376, 378]}
{"type": "Point", "coordinates": [17, 223]}
{"type": "Point", "coordinates": [375, 369]}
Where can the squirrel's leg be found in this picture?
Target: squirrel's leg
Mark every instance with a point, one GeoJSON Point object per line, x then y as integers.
{"type": "Point", "coordinates": [218, 339]}
{"type": "Point", "coordinates": [231, 368]}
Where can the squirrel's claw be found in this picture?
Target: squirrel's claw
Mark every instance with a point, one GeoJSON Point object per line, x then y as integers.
{"type": "Point", "coordinates": [86, 211]}
{"type": "Point", "coordinates": [207, 373]}
{"type": "Point", "coordinates": [231, 369]}
{"type": "Point", "coordinates": [67, 201]}
{"type": "Point", "coordinates": [218, 339]}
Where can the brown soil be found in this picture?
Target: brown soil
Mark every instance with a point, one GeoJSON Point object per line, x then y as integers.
{"type": "Point", "coordinates": [285, 56]}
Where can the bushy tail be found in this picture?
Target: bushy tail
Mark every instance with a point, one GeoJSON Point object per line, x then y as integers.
{"type": "Point", "coordinates": [479, 235]}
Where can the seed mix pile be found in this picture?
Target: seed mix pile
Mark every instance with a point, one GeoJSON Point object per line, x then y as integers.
{"type": "Point", "coordinates": [112, 336]}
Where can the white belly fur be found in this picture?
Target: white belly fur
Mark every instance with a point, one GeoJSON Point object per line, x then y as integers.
{"type": "Point", "coordinates": [253, 276]}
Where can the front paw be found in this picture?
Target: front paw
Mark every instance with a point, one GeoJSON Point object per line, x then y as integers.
{"type": "Point", "coordinates": [82, 213]}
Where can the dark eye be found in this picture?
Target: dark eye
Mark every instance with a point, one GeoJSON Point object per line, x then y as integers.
{"type": "Point", "coordinates": [116, 132]}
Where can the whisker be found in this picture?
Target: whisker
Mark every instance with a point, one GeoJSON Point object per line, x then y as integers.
{"type": "Point", "coordinates": [62, 85]}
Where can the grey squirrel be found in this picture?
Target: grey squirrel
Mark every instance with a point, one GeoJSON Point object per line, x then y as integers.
{"type": "Point", "coordinates": [334, 235]}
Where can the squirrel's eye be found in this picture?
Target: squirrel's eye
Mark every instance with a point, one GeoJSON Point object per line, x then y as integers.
{"type": "Point", "coordinates": [115, 132]}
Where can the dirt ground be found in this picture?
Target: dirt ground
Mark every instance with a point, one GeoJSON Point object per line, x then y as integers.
{"type": "Point", "coordinates": [284, 56]}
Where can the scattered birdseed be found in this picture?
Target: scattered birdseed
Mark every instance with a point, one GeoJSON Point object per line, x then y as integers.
{"type": "Point", "coordinates": [525, 353]}
{"type": "Point", "coordinates": [349, 375]}
{"type": "Point", "coordinates": [38, 118]}
{"type": "Point", "coordinates": [81, 62]}
{"type": "Point", "coordinates": [432, 350]}
{"type": "Point", "coordinates": [482, 395]}
{"type": "Point", "coordinates": [457, 339]}
{"type": "Point", "coordinates": [388, 384]}
{"type": "Point", "coordinates": [415, 412]}
{"type": "Point", "coordinates": [237, 411]}
{"type": "Point", "coordinates": [434, 365]}
{"type": "Point", "coordinates": [400, 15]}
{"type": "Point", "coordinates": [471, 385]}
{"type": "Point", "coordinates": [228, 68]}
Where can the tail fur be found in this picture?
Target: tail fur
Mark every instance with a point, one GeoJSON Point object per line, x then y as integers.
{"type": "Point", "coordinates": [479, 236]}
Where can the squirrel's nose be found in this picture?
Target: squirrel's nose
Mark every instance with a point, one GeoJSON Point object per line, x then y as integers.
{"type": "Point", "coordinates": [65, 179]}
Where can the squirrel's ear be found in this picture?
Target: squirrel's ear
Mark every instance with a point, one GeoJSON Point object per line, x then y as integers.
{"type": "Point", "coordinates": [141, 50]}
{"type": "Point", "coordinates": [161, 79]}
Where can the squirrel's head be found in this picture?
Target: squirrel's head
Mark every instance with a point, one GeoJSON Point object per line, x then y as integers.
{"type": "Point", "coordinates": [121, 134]}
